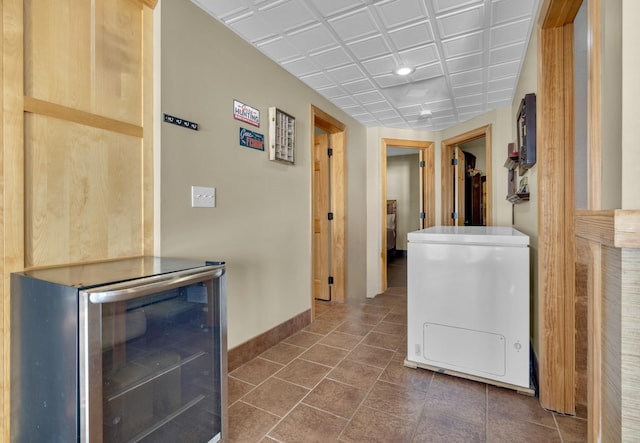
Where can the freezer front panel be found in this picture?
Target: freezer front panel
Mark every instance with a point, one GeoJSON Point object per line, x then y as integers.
{"type": "Point", "coordinates": [468, 309]}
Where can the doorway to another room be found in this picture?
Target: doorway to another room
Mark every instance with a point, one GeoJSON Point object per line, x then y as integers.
{"type": "Point", "coordinates": [466, 179]}
{"type": "Point", "coordinates": [328, 197]}
{"type": "Point", "coordinates": [408, 202]}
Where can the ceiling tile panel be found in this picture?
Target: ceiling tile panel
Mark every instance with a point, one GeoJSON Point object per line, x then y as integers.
{"type": "Point", "coordinates": [359, 86]}
{"type": "Point", "coordinates": [466, 77]}
{"type": "Point", "coordinates": [329, 8]}
{"type": "Point", "coordinates": [356, 25]}
{"type": "Point", "coordinates": [252, 28]}
{"type": "Point", "coordinates": [279, 49]}
{"type": "Point", "coordinates": [369, 48]}
{"type": "Point", "coordinates": [346, 74]}
{"type": "Point", "coordinates": [504, 70]}
{"type": "Point", "coordinates": [332, 92]}
{"type": "Point", "coordinates": [317, 80]}
{"type": "Point", "coordinates": [381, 65]}
{"type": "Point", "coordinates": [465, 63]}
{"type": "Point", "coordinates": [369, 97]}
{"type": "Point", "coordinates": [380, 106]}
{"type": "Point", "coordinates": [506, 95]}
{"type": "Point", "coordinates": [300, 67]}
{"type": "Point", "coordinates": [509, 10]}
{"type": "Point", "coordinates": [506, 53]}
{"type": "Point", "coordinates": [330, 58]}
{"type": "Point", "coordinates": [502, 83]}
{"type": "Point", "coordinates": [464, 45]}
{"type": "Point", "coordinates": [461, 22]}
{"type": "Point", "coordinates": [509, 33]}
{"type": "Point", "coordinates": [287, 15]}
{"type": "Point", "coordinates": [389, 80]}
{"type": "Point", "coordinates": [412, 35]}
{"type": "Point", "coordinates": [423, 55]}
{"type": "Point", "coordinates": [221, 8]}
{"type": "Point", "coordinates": [399, 12]}
{"type": "Point", "coordinates": [312, 38]}
{"type": "Point", "coordinates": [428, 72]}
{"type": "Point", "coordinates": [467, 54]}
{"type": "Point", "coordinates": [343, 102]}
{"type": "Point", "coordinates": [441, 6]}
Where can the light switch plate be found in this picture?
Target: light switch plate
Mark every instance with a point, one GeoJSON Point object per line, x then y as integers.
{"type": "Point", "coordinates": [203, 197]}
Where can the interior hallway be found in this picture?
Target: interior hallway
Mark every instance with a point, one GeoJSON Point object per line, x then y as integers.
{"type": "Point", "coordinates": [342, 379]}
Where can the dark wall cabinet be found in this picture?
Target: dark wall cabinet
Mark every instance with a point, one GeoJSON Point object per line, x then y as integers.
{"type": "Point", "coordinates": [526, 130]}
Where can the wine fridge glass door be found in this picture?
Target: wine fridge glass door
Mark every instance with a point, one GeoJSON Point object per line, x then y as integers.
{"type": "Point", "coordinates": [155, 365]}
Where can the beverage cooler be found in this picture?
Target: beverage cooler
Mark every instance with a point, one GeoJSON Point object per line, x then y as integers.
{"type": "Point", "coordinates": [121, 351]}
{"type": "Point", "coordinates": [468, 303]}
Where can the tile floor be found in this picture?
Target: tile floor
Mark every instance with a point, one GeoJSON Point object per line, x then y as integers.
{"type": "Point", "coordinates": [342, 379]}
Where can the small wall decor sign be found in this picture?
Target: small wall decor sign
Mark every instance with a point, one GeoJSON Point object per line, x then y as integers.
{"type": "Point", "coordinates": [246, 113]}
{"type": "Point", "coordinates": [251, 139]}
{"type": "Point", "coordinates": [180, 122]}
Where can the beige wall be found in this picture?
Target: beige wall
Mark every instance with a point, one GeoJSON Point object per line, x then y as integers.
{"type": "Point", "coordinates": [526, 214]}
{"type": "Point", "coordinates": [261, 223]}
{"type": "Point", "coordinates": [630, 99]}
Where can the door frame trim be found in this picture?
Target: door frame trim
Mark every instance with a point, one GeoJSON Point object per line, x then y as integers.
{"type": "Point", "coordinates": [446, 195]}
{"type": "Point", "coordinates": [428, 189]}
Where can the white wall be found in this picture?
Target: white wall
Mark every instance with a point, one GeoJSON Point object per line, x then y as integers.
{"type": "Point", "coordinates": [261, 225]}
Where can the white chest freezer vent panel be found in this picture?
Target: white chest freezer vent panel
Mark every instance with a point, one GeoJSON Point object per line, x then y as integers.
{"type": "Point", "coordinates": [465, 348]}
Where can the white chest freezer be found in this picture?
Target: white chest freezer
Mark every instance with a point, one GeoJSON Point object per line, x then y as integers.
{"type": "Point", "coordinates": [468, 303]}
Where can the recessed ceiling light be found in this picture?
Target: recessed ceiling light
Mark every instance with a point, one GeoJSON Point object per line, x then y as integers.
{"type": "Point", "coordinates": [404, 70]}
{"type": "Point", "coordinates": [425, 113]}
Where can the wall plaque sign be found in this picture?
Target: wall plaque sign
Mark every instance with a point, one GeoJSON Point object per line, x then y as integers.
{"type": "Point", "coordinates": [251, 139]}
{"type": "Point", "coordinates": [246, 113]}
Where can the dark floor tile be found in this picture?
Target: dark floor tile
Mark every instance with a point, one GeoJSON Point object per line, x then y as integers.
{"type": "Point", "coordinates": [440, 427]}
{"type": "Point", "coordinates": [374, 426]}
{"type": "Point", "coordinates": [256, 371]}
{"type": "Point", "coordinates": [400, 401]}
{"type": "Point", "coordinates": [355, 374]}
{"type": "Point", "coordinates": [504, 402]}
{"type": "Point", "coordinates": [398, 374]}
{"type": "Point", "coordinates": [325, 355]}
{"type": "Point", "coordinates": [276, 396]}
{"type": "Point", "coordinates": [323, 326]}
{"type": "Point", "coordinates": [282, 353]}
{"type": "Point", "coordinates": [355, 328]}
{"type": "Point", "coordinates": [304, 339]}
{"type": "Point", "coordinates": [248, 423]}
{"type": "Point", "coordinates": [385, 327]}
{"type": "Point", "coordinates": [341, 340]}
{"type": "Point", "coordinates": [305, 424]}
{"type": "Point", "coordinates": [511, 430]}
{"type": "Point", "coordinates": [371, 356]}
{"type": "Point", "coordinates": [368, 318]}
{"type": "Point", "coordinates": [303, 373]}
{"type": "Point", "coordinates": [458, 397]}
{"type": "Point", "coordinates": [572, 429]}
{"type": "Point", "coordinates": [386, 341]}
{"type": "Point", "coordinates": [396, 317]}
{"type": "Point", "coordinates": [335, 397]}
{"type": "Point", "coordinates": [236, 389]}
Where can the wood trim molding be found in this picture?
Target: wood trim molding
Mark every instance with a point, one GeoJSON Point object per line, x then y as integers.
{"type": "Point", "coordinates": [615, 228]}
{"type": "Point", "coordinates": [42, 107]}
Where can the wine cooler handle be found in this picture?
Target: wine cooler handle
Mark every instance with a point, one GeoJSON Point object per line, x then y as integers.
{"type": "Point", "coordinates": [139, 288]}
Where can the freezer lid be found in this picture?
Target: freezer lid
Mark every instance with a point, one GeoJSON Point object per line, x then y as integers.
{"type": "Point", "coordinates": [494, 235]}
{"type": "Point", "coordinates": [89, 275]}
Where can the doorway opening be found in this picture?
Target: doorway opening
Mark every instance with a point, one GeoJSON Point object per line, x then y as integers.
{"type": "Point", "coordinates": [466, 188]}
{"type": "Point", "coordinates": [328, 201]}
{"type": "Point", "coordinates": [410, 209]}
